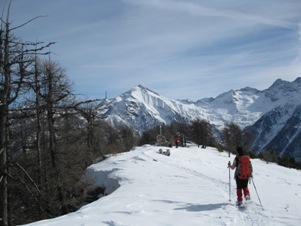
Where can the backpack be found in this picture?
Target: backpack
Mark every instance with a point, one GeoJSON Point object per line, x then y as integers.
{"type": "Point", "coordinates": [244, 167]}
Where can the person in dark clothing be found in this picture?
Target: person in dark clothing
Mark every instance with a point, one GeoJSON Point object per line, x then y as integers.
{"type": "Point", "coordinates": [243, 172]}
{"type": "Point", "coordinates": [177, 141]}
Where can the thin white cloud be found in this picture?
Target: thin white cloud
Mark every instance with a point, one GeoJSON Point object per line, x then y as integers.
{"type": "Point", "coordinates": [297, 59]}
{"type": "Point", "coordinates": [200, 10]}
{"type": "Point", "coordinates": [186, 49]}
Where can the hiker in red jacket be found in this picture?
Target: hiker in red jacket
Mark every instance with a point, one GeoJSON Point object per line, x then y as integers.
{"type": "Point", "coordinates": [243, 172]}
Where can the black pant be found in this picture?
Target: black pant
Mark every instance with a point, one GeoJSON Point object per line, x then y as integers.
{"type": "Point", "coordinates": [241, 183]}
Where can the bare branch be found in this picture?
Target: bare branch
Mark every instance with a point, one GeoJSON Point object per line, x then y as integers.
{"type": "Point", "coordinates": [29, 177]}
{"type": "Point", "coordinates": [3, 21]}
{"type": "Point", "coordinates": [48, 212]}
{"type": "Point", "coordinates": [86, 102]}
{"type": "Point", "coordinates": [26, 22]}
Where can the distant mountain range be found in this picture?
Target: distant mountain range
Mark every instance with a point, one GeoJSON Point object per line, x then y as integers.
{"type": "Point", "coordinates": [272, 115]}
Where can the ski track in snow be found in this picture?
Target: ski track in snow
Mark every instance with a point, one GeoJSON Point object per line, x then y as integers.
{"type": "Point", "coordinates": [254, 214]}
{"type": "Point", "coordinates": [239, 217]}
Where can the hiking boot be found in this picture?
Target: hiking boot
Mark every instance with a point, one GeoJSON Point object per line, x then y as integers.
{"type": "Point", "coordinates": [238, 203]}
{"type": "Point", "coordinates": [247, 197]}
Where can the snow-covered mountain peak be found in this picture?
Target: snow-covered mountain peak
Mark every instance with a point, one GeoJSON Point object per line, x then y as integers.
{"type": "Point", "coordinates": [141, 94]}
{"type": "Point", "coordinates": [285, 86]}
{"type": "Point", "coordinates": [283, 89]}
{"type": "Point", "coordinates": [143, 90]}
{"type": "Point", "coordinates": [141, 108]}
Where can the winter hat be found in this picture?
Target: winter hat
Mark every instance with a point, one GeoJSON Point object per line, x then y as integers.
{"type": "Point", "coordinates": [239, 150]}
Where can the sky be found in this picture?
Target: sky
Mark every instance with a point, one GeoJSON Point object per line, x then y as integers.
{"type": "Point", "coordinates": [181, 49]}
{"type": "Point", "coordinates": [192, 186]}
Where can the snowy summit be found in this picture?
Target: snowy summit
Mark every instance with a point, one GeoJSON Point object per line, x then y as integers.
{"type": "Point", "coordinates": [272, 116]}
{"type": "Point", "coordinates": [190, 187]}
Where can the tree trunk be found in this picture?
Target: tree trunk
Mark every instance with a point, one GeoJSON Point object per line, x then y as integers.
{"type": "Point", "coordinates": [4, 101]}
{"type": "Point", "coordinates": [3, 175]}
{"type": "Point", "coordinates": [39, 128]}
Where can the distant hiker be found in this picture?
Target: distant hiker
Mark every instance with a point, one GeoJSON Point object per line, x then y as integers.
{"type": "Point", "coordinates": [243, 172]}
{"type": "Point", "coordinates": [177, 141]}
{"type": "Point", "coordinates": [183, 140]}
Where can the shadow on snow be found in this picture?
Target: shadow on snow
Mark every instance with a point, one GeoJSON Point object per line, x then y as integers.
{"type": "Point", "coordinates": [202, 207]}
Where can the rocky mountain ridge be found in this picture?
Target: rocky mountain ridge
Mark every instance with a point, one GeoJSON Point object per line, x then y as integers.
{"type": "Point", "coordinates": [267, 114]}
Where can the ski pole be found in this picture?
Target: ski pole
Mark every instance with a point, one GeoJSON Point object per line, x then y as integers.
{"type": "Point", "coordinates": [229, 182]}
{"type": "Point", "coordinates": [256, 192]}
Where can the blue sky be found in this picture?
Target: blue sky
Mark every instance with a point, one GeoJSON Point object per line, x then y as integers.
{"type": "Point", "coordinates": [181, 49]}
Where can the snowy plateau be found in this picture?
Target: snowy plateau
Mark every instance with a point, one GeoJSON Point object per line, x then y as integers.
{"type": "Point", "coordinates": [191, 187]}
{"type": "Point", "coordinates": [272, 116]}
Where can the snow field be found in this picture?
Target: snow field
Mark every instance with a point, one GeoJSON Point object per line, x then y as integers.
{"type": "Point", "coordinates": [189, 187]}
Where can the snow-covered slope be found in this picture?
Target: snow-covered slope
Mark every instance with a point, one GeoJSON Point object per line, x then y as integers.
{"type": "Point", "coordinates": [190, 187]}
